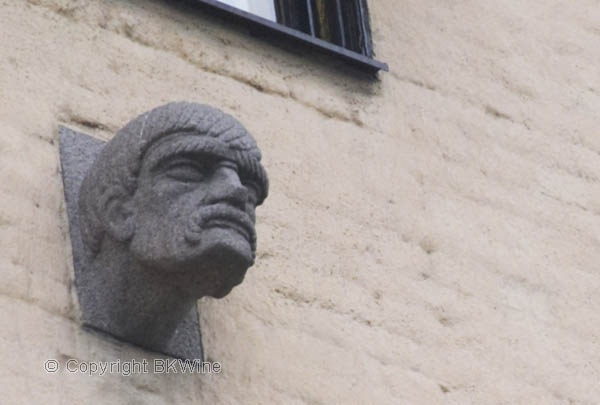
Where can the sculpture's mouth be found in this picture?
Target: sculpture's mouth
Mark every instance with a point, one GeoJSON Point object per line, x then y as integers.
{"type": "Point", "coordinates": [222, 216]}
{"type": "Point", "coordinates": [232, 223]}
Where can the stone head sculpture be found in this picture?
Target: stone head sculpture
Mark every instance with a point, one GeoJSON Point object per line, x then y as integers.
{"type": "Point", "coordinates": [167, 216]}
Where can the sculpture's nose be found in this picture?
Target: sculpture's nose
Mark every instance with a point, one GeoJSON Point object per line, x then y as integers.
{"type": "Point", "coordinates": [226, 186]}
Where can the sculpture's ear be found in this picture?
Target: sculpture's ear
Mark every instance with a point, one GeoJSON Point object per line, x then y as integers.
{"type": "Point", "coordinates": [117, 206]}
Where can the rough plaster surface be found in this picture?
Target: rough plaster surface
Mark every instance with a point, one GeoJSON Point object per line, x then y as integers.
{"type": "Point", "coordinates": [432, 237]}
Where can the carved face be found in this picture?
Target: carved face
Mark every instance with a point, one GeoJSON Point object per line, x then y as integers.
{"type": "Point", "coordinates": [193, 212]}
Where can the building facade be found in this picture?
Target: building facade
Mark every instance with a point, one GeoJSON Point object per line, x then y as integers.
{"type": "Point", "coordinates": [432, 235]}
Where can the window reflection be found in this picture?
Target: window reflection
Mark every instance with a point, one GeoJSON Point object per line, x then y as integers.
{"type": "Point", "coordinates": [261, 8]}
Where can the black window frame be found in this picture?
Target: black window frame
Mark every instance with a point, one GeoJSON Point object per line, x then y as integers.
{"type": "Point", "coordinates": [261, 25]}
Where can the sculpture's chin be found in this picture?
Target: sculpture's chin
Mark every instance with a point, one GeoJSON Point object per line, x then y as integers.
{"type": "Point", "coordinates": [220, 263]}
{"type": "Point", "coordinates": [224, 246]}
{"type": "Point", "coordinates": [227, 286]}
{"type": "Point", "coordinates": [211, 267]}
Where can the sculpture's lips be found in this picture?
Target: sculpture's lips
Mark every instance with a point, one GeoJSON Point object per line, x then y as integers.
{"type": "Point", "coordinates": [229, 222]}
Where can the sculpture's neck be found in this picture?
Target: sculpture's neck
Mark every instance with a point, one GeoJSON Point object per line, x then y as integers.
{"type": "Point", "coordinates": [136, 304]}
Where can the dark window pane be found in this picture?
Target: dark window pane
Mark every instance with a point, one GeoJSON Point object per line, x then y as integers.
{"type": "Point", "coordinates": [293, 14]}
{"type": "Point", "coordinates": [356, 29]}
{"type": "Point", "coordinates": [328, 21]}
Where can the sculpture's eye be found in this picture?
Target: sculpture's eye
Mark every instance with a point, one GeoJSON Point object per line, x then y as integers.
{"type": "Point", "coordinates": [187, 170]}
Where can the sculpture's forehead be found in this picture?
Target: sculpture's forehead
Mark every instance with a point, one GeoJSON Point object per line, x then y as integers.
{"type": "Point", "coordinates": [187, 144]}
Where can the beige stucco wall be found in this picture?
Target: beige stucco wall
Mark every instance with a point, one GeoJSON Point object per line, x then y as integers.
{"type": "Point", "coordinates": [430, 237]}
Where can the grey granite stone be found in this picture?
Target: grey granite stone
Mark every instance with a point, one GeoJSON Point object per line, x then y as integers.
{"type": "Point", "coordinates": [161, 216]}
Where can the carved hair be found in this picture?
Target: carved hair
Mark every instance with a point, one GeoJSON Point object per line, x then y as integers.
{"type": "Point", "coordinates": [115, 172]}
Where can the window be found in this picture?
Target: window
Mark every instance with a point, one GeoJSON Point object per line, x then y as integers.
{"type": "Point", "coordinates": [342, 22]}
{"type": "Point", "coordinates": [337, 27]}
